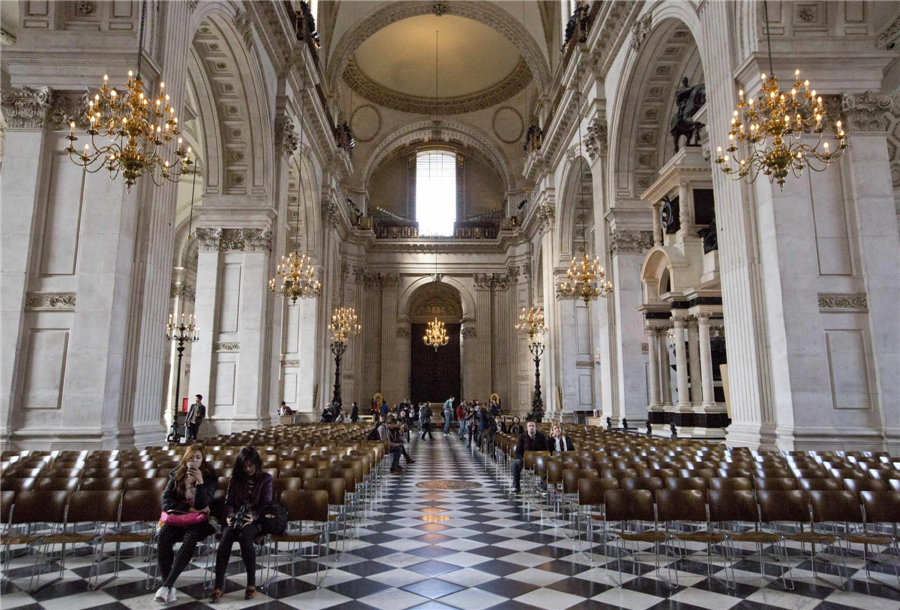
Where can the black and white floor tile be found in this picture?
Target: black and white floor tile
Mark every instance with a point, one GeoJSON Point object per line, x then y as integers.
{"type": "Point", "coordinates": [468, 550]}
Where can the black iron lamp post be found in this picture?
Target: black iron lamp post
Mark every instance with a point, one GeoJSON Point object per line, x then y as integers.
{"type": "Point", "coordinates": [537, 402]}
{"type": "Point", "coordinates": [180, 333]}
{"type": "Point", "coordinates": [343, 326]}
{"type": "Point", "coordinates": [531, 323]}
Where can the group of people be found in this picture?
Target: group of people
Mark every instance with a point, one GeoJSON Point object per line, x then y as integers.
{"type": "Point", "coordinates": [186, 502]}
{"type": "Point", "coordinates": [533, 439]}
{"type": "Point", "coordinates": [333, 413]}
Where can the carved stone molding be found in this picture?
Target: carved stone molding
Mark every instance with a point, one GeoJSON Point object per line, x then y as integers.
{"type": "Point", "coordinates": [291, 363]}
{"type": "Point", "coordinates": [584, 364]}
{"type": "Point", "coordinates": [390, 280]}
{"type": "Point", "coordinates": [889, 34]}
{"type": "Point", "coordinates": [547, 216]}
{"type": "Point", "coordinates": [573, 152]}
{"type": "Point", "coordinates": [514, 82]}
{"type": "Point", "coordinates": [66, 107]}
{"type": "Point", "coordinates": [244, 25]}
{"type": "Point", "coordinates": [867, 111]}
{"type": "Point", "coordinates": [597, 142]}
{"type": "Point", "coordinates": [226, 346]}
{"type": "Point", "coordinates": [468, 332]}
{"type": "Point", "coordinates": [242, 240]}
{"type": "Point", "coordinates": [286, 139]}
{"type": "Point", "coordinates": [50, 301]}
{"type": "Point", "coordinates": [330, 214]}
{"type": "Point", "coordinates": [494, 281]}
{"type": "Point", "coordinates": [182, 290]}
{"type": "Point", "coordinates": [640, 30]}
{"type": "Point", "coordinates": [26, 108]}
{"type": "Point", "coordinates": [6, 38]}
{"type": "Point", "coordinates": [630, 242]}
{"type": "Point", "coordinates": [843, 303]}
{"type": "Point", "coordinates": [403, 332]}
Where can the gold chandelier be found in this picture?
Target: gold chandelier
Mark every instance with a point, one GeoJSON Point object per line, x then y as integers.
{"type": "Point", "coordinates": [344, 324]}
{"type": "Point", "coordinates": [773, 126]}
{"type": "Point", "coordinates": [296, 278]}
{"type": "Point", "coordinates": [137, 129]}
{"type": "Point", "coordinates": [436, 334]}
{"type": "Point", "coordinates": [531, 323]}
{"type": "Point", "coordinates": [586, 280]}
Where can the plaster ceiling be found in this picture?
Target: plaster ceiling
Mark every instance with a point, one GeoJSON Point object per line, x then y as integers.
{"type": "Point", "coordinates": [398, 63]}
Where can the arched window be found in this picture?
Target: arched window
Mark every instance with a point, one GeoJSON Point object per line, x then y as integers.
{"type": "Point", "coordinates": [436, 192]}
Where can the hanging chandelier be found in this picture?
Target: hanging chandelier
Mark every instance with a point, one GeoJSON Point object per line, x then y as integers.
{"type": "Point", "coordinates": [138, 131]}
{"type": "Point", "coordinates": [531, 323]}
{"type": "Point", "coordinates": [773, 127]}
{"type": "Point", "coordinates": [344, 324]}
{"type": "Point", "coordinates": [436, 334]}
{"type": "Point", "coordinates": [295, 277]}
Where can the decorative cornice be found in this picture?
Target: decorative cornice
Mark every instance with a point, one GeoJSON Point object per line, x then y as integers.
{"type": "Point", "coordinates": [390, 280]}
{"type": "Point", "coordinates": [50, 301]}
{"type": "Point", "coordinates": [403, 332]}
{"type": "Point", "coordinates": [26, 108]}
{"type": "Point", "coordinates": [889, 34]}
{"type": "Point", "coordinates": [330, 214]}
{"type": "Point", "coordinates": [640, 30]}
{"type": "Point", "coordinates": [630, 242]}
{"type": "Point", "coordinates": [547, 216]}
{"type": "Point", "coordinates": [468, 332]}
{"type": "Point", "coordinates": [226, 346]}
{"type": "Point", "coordinates": [182, 290]}
{"type": "Point", "coordinates": [244, 26]}
{"type": "Point", "coordinates": [493, 281]}
{"type": "Point", "coordinates": [514, 82]}
{"type": "Point", "coordinates": [867, 111]}
{"type": "Point", "coordinates": [242, 240]}
{"type": "Point", "coordinates": [6, 38]}
{"type": "Point", "coordinates": [843, 303]}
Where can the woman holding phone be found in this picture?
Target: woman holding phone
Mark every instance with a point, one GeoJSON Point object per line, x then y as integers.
{"type": "Point", "coordinates": [191, 488]}
{"type": "Point", "coordinates": [249, 490]}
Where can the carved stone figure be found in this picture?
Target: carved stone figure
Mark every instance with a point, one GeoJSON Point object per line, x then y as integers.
{"type": "Point", "coordinates": [688, 101]}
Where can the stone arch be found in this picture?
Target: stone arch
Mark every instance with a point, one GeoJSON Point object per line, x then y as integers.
{"type": "Point", "coordinates": [645, 98]}
{"type": "Point", "coordinates": [666, 264]}
{"type": "Point", "coordinates": [466, 298]}
{"type": "Point", "coordinates": [450, 130]}
{"type": "Point", "coordinates": [435, 300]}
{"type": "Point", "coordinates": [477, 10]}
{"type": "Point", "coordinates": [577, 208]}
{"type": "Point", "coordinates": [231, 99]}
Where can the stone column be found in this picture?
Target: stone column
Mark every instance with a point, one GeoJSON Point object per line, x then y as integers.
{"type": "Point", "coordinates": [657, 224]}
{"type": "Point", "coordinates": [483, 297]}
{"type": "Point", "coordinates": [205, 311]}
{"type": "Point", "coordinates": [665, 371]}
{"type": "Point", "coordinates": [653, 375]}
{"type": "Point", "coordinates": [391, 384]}
{"type": "Point", "coordinates": [371, 336]}
{"type": "Point", "coordinates": [404, 346]}
{"type": "Point", "coordinates": [550, 361]}
{"type": "Point", "coordinates": [694, 362]}
{"type": "Point", "coordinates": [681, 364]}
{"type": "Point", "coordinates": [468, 343]}
{"type": "Point", "coordinates": [706, 369]}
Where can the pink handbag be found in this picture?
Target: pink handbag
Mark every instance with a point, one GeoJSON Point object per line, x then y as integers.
{"type": "Point", "coordinates": [182, 519]}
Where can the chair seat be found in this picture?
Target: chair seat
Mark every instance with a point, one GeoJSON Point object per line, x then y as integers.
{"type": "Point", "coordinates": [710, 537]}
{"type": "Point", "coordinates": [870, 539]}
{"type": "Point", "coordinates": [764, 537]}
{"type": "Point", "coordinates": [296, 537]}
{"type": "Point", "coordinates": [813, 538]}
{"type": "Point", "coordinates": [20, 539]}
{"type": "Point", "coordinates": [127, 537]}
{"type": "Point", "coordinates": [649, 536]}
{"type": "Point", "coordinates": [68, 538]}
{"type": "Point", "coordinates": [598, 517]}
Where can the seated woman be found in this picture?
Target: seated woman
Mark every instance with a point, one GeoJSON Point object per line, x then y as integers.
{"type": "Point", "coordinates": [559, 440]}
{"type": "Point", "coordinates": [191, 488]}
{"type": "Point", "coordinates": [249, 490]}
{"type": "Point", "coordinates": [516, 426]}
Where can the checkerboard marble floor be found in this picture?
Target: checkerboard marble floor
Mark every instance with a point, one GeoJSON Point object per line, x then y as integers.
{"type": "Point", "coordinates": [468, 550]}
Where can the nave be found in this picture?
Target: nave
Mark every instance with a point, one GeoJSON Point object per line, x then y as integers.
{"type": "Point", "coordinates": [467, 549]}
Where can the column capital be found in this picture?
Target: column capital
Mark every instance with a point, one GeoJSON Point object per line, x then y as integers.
{"type": "Point", "coordinates": [26, 108]}
{"type": "Point", "coordinates": [866, 112]}
{"type": "Point", "coordinates": [547, 216]}
{"type": "Point", "coordinates": [703, 317]}
{"type": "Point", "coordinates": [390, 281]}
{"type": "Point", "coordinates": [679, 321]}
{"type": "Point", "coordinates": [286, 139]}
{"type": "Point", "coordinates": [250, 239]}
{"type": "Point", "coordinates": [622, 241]}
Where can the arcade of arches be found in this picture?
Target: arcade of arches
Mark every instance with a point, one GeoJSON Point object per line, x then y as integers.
{"type": "Point", "coordinates": [766, 317]}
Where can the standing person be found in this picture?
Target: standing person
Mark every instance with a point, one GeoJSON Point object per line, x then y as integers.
{"type": "Point", "coordinates": [191, 487]}
{"type": "Point", "coordinates": [448, 415]}
{"type": "Point", "coordinates": [425, 420]}
{"type": "Point", "coordinates": [384, 409]}
{"type": "Point", "coordinates": [389, 432]}
{"type": "Point", "coordinates": [461, 412]}
{"type": "Point", "coordinates": [415, 416]}
{"type": "Point", "coordinates": [354, 413]}
{"type": "Point", "coordinates": [337, 411]}
{"type": "Point", "coordinates": [559, 440]}
{"type": "Point", "coordinates": [194, 418]}
{"type": "Point", "coordinates": [530, 440]}
{"type": "Point", "coordinates": [249, 491]}
{"type": "Point", "coordinates": [495, 408]}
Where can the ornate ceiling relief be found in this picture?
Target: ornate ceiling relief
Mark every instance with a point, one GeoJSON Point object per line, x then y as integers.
{"type": "Point", "coordinates": [517, 80]}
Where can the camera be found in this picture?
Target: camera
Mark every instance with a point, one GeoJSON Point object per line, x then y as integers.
{"type": "Point", "coordinates": [241, 514]}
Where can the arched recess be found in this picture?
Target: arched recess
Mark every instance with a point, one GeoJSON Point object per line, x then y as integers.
{"type": "Point", "coordinates": [645, 101]}
{"type": "Point", "coordinates": [303, 208]}
{"type": "Point", "coordinates": [231, 100]}
{"type": "Point", "coordinates": [483, 12]}
{"type": "Point", "coordinates": [449, 131]}
{"type": "Point", "coordinates": [665, 269]}
{"type": "Point", "coordinates": [577, 213]}
{"type": "Point", "coordinates": [435, 300]}
{"type": "Point", "coordinates": [465, 296]}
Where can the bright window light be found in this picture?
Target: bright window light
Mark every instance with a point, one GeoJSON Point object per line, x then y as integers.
{"type": "Point", "coordinates": [436, 192]}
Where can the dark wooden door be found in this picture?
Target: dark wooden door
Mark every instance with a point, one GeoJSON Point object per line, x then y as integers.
{"type": "Point", "coordinates": [435, 374]}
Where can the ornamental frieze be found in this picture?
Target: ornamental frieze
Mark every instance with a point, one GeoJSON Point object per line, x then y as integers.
{"type": "Point", "coordinates": [630, 242]}
{"type": "Point", "coordinates": [50, 301]}
{"type": "Point", "coordinates": [843, 303]}
{"type": "Point", "coordinates": [241, 240]}
{"type": "Point", "coordinates": [26, 108]}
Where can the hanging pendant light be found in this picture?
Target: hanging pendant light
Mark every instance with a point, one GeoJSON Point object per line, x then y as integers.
{"type": "Point", "coordinates": [138, 131]}
{"type": "Point", "coordinates": [773, 127]}
{"type": "Point", "coordinates": [295, 277]}
{"type": "Point", "coordinates": [586, 278]}
{"type": "Point", "coordinates": [436, 334]}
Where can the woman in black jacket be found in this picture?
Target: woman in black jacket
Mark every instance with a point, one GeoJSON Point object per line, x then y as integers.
{"type": "Point", "coordinates": [191, 488]}
{"type": "Point", "coordinates": [249, 490]}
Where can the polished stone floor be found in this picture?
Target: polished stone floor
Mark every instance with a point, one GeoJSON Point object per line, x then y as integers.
{"type": "Point", "coordinates": [470, 549]}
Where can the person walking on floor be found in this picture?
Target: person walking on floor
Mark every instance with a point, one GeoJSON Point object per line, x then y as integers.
{"type": "Point", "coordinates": [448, 415]}
{"type": "Point", "coordinates": [425, 420]}
{"type": "Point", "coordinates": [354, 413]}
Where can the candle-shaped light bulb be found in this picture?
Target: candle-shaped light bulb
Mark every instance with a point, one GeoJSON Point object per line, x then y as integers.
{"type": "Point", "coordinates": [105, 78]}
{"type": "Point", "coordinates": [72, 128]}
{"type": "Point", "coordinates": [718, 152]}
{"type": "Point", "coordinates": [763, 77]}
{"type": "Point", "coordinates": [797, 74]}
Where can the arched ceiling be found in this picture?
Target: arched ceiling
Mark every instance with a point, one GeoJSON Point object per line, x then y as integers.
{"type": "Point", "coordinates": [395, 66]}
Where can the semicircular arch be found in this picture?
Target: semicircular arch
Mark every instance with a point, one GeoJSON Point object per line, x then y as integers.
{"type": "Point", "coordinates": [466, 299]}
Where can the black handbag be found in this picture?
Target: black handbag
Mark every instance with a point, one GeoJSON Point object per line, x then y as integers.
{"type": "Point", "coordinates": [273, 518]}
